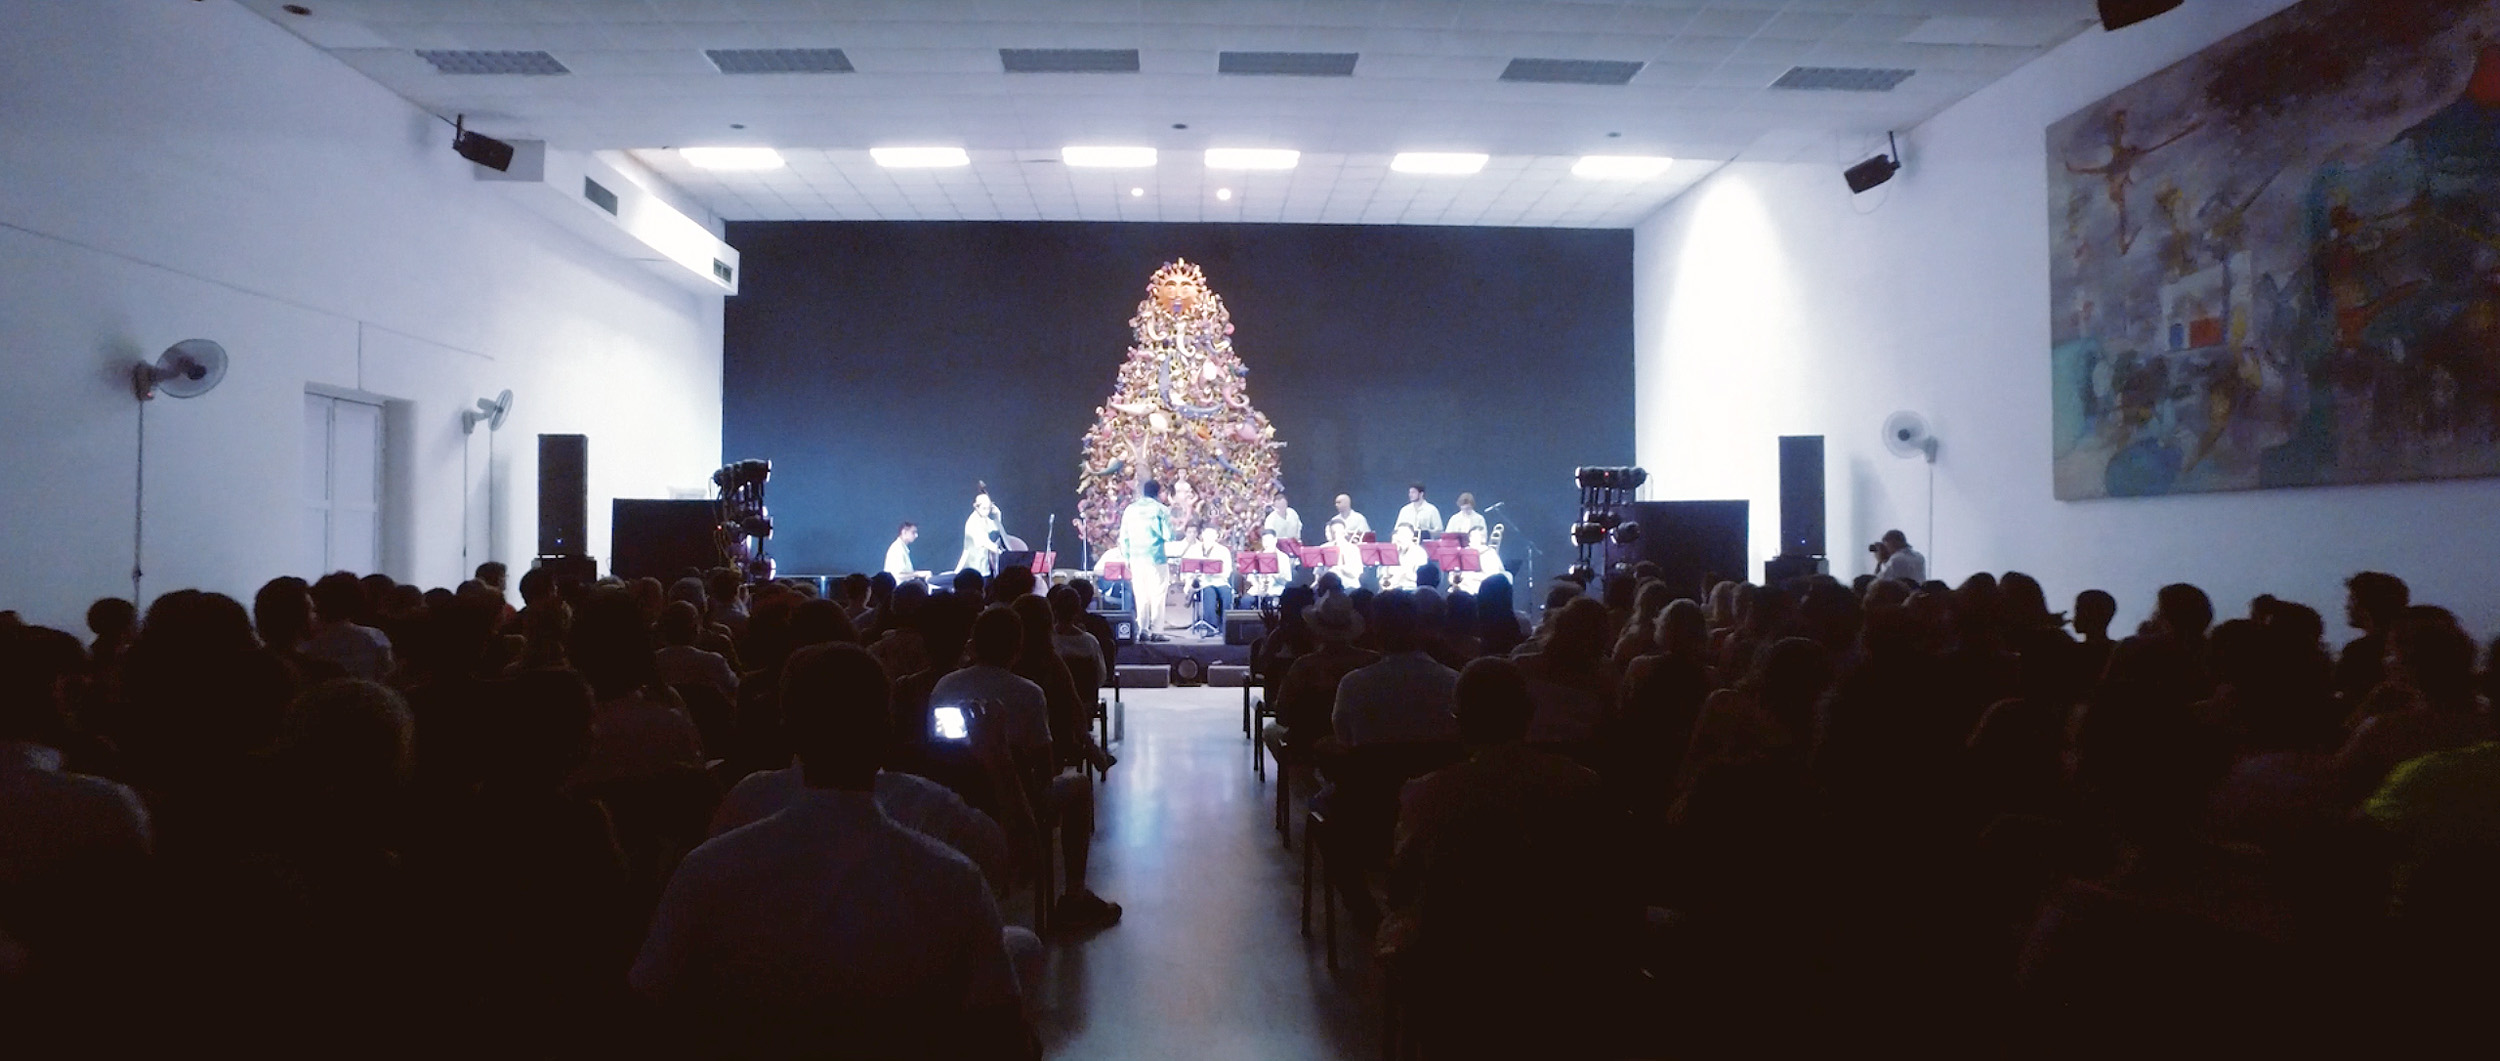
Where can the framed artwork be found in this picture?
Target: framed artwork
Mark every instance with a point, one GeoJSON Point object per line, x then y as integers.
{"type": "Point", "coordinates": [2277, 262]}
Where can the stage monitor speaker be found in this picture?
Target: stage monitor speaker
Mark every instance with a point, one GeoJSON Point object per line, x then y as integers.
{"type": "Point", "coordinates": [563, 495]}
{"type": "Point", "coordinates": [2120, 14]}
{"type": "Point", "coordinates": [1780, 570]}
{"type": "Point", "coordinates": [1017, 558]}
{"type": "Point", "coordinates": [1144, 675]}
{"type": "Point", "coordinates": [582, 570]}
{"type": "Point", "coordinates": [1694, 543]}
{"type": "Point", "coordinates": [666, 540]}
{"type": "Point", "coordinates": [1242, 627]}
{"type": "Point", "coordinates": [1228, 675]}
{"type": "Point", "coordinates": [1801, 495]}
{"type": "Point", "coordinates": [1123, 626]}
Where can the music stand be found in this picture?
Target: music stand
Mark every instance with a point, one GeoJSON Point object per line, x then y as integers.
{"type": "Point", "coordinates": [1380, 554]}
{"type": "Point", "coordinates": [1043, 562]}
{"type": "Point", "coordinates": [1465, 560]}
{"type": "Point", "coordinates": [1324, 556]}
{"type": "Point", "coordinates": [1289, 546]}
{"type": "Point", "coordinates": [1454, 537]}
{"type": "Point", "coordinates": [1258, 563]}
{"type": "Point", "coordinates": [1115, 570]}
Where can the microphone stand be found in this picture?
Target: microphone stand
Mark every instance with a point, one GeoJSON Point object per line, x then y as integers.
{"type": "Point", "coordinates": [1049, 530]}
{"type": "Point", "coordinates": [1527, 579]}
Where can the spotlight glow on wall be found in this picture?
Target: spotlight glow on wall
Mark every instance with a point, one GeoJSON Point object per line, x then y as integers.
{"type": "Point", "coordinates": [731, 158]}
{"type": "Point", "coordinates": [1225, 194]}
{"type": "Point", "coordinates": [919, 157]}
{"type": "Point", "coordinates": [1252, 158]}
{"type": "Point", "coordinates": [1098, 157]}
{"type": "Point", "coordinates": [1438, 163]}
{"type": "Point", "coordinates": [1621, 167]}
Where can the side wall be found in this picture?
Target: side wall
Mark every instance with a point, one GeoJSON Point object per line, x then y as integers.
{"type": "Point", "coordinates": [190, 170]}
{"type": "Point", "coordinates": [1770, 301]}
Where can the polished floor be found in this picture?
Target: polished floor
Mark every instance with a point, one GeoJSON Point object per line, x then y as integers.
{"type": "Point", "coordinates": [1209, 962]}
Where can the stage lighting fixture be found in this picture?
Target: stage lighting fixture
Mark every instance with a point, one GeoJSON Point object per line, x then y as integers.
{"type": "Point", "coordinates": [1627, 534]}
{"type": "Point", "coordinates": [1621, 167]}
{"type": "Point", "coordinates": [1438, 163]}
{"type": "Point", "coordinates": [1098, 157]}
{"type": "Point", "coordinates": [919, 157]}
{"type": "Point", "coordinates": [731, 158]}
{"type": "Point", "coordinates": [484, 150]}
{"type": "Point", "coordinates": [1587, 534]}
{"type": "Point", "coordinates": [1252, 158]}
{"type": "Point", "coordinates": [2120, 14]}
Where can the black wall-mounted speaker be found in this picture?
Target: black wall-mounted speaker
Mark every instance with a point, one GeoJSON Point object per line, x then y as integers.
{"type": "Point", "coordinates": [563, 495]}
{"type": "Point", "coordinates": [2120, 14]}
{"type": "Point", "coordinates": [1801, 495]}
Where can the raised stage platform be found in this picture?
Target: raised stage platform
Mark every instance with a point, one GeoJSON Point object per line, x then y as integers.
{"type": "Point", "coordinates": [1207, 651]}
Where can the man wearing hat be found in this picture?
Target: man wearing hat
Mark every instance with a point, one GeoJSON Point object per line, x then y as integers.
{"type": "Point", "coordinates": [1308, 696]}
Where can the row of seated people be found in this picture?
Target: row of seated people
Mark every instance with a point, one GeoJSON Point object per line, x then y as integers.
{"type": "Point", "coordinates": [699, 819]}
{"type": "Point", "coordinates": [1816, 816]}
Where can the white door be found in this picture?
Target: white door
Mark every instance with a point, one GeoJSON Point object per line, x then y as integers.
{"type": "Point", "coordinates": [342, 486]}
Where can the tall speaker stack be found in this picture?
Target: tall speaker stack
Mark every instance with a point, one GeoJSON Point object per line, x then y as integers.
{"type": "Point", "coordinates": [1802, 547]}
{"type": "Point", "coordinates": [564, 507]}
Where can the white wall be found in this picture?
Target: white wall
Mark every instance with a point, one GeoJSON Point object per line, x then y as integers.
{"type": "Point", "coordinates": [179, 170]}
{"type": "Point", "coordinates": [1770, 301]}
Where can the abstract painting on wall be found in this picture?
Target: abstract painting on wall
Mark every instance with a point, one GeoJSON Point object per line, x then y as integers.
{"type": "Point", "coordinates": [2277, 263]}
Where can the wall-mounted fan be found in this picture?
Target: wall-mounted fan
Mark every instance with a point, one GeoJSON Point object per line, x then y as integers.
{"type": "Point", "coordinates": [1907, 434]}
{"type": "Point", "coordinates": [187, 369]}
{"type": "Point", "coordinates": [489, 411]}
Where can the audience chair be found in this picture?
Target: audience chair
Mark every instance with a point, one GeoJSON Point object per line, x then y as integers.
{"type": "Point", "coordinates": [1249, 685]}
{"type": "Point", "coordinates": [715, 717]}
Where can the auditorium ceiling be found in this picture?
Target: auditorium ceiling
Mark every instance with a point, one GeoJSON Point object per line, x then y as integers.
{"type": "Point", "coordinates": [1347, 83]}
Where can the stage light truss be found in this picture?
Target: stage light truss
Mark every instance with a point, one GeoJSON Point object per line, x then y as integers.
{"type": "Point", "coordinates": [741, 522]}
{"type": "Point", "coordinates": [1603, 493]}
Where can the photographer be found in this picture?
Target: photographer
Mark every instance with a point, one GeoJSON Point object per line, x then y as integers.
{"type": "Point", "coordinates": [1895, 560]}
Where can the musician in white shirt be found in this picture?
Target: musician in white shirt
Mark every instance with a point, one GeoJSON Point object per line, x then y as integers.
{"type": "Point", "coordinates": [1215, 591]}
{"type": "Point", "coordinates": [1265, 585]}
{"type": "Point", "coordinates": [1282, 521]}
{"type": "Point", "coordinates": [1467, 521]}
{"type": "Point", "coordinates": [982, 537]}
{"type": "Point", "coordinates": [1411, 557]}
{"type": "Point", "coordinates": [1418, 512]}
{"type": "Point", "coordinates": [1345, 531]}
{"type": "Point", "coordinates": [898, 555]}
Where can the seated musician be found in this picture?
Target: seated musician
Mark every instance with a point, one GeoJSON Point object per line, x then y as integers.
{"type": "Point", "coordinates": [1215, 591]}
{"type": "Point", "coordinates": [1270, 586]}
{"type": "Point", "coordinates": [1411, 556]}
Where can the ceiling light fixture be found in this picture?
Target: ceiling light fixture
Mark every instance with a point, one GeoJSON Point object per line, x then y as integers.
{"type": "Point", "coordinates": [1438, 163]}
{"type": "Point", "coordinates": [1225, 194]}
{"type": "Point", "coordinates": [731, 158]}
{"type": "Point", "coordinates": [1252, 158]}
{"type": "Point", "coordinates": [919, 157]}
{"type": "Point", "coordinates": [1621, 167]}
{"type": "Point", "coordinates": [1108, 157]}
{"type": "Point", "coordinates": [1137, 193]}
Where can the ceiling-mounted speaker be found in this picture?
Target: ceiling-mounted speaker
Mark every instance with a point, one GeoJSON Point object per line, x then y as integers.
{"type": "Point", "coordinates": [2120, 14]}
{"type": "Point", "coordinates": [1874, 171]}
{"type": "Point", "coordinates": [479, 148]}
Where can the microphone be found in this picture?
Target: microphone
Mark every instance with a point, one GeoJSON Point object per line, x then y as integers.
{"type": "Point", "coordinates": [1494, 505]}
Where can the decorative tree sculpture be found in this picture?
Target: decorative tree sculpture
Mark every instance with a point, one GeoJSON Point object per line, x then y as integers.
{"type": "Point", "coordinates": [1180, 414]}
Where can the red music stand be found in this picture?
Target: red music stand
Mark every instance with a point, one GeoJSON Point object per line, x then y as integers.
{"type": "Point", "coordinates": [1258, 563]}
{"type": "Point", "coordinates": [1380, 554]}
{"type": "Point", "coordinates": [1324, 556]}
{"type": "Point", "coordinates": [1289, 546]}
{"type": "Point", "coordinates": [1042, 562]}
{"type": "Point", "coordinates": [1202, 567]}
{"type": "Point", "coordinates": [1466, 560]}
{"type": "Point", "coordinates": [1454, 537]}
{"type": "Point", "coordinates": [1115, 570]}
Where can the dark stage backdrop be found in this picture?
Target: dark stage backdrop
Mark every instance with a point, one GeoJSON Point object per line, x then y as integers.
{"type": "Point", "coordinates": [884, 366]}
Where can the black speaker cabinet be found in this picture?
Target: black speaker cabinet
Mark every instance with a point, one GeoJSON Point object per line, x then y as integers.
{"type": "Point", "coordinates": [1123, 626]}
{"type": "Point", "coordinates": [563, 495]}
{"type": "Point", "coordinates": [1801, 495]}
{"type": "Point", "coordinates": [582, 570]}
{"type": "Point", "coordinates": [1242, 627]}
{"type": "Point", "coordinates": [1693, 542]}
{"type": "Point", "coordinates": [665, 540]}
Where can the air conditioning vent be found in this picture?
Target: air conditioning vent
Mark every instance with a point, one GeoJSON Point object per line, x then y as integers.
{"type": "Point", "coordinates": [459, 62]}
{"type": "Point", "coordinates": [780, 60]}
{"type": "Point", "coordinates": [1068, 60]}
{"type": "Point", "coordinates": [599, 195]}
{"type": "Point", "coordinates": [1842, 79]}
{"type": "Point", "coordinates": [1288, 64]}
{"type": "Point", "coordinates": [721, 269]}
{"type": "Point", "coordinates": [1572, 71]}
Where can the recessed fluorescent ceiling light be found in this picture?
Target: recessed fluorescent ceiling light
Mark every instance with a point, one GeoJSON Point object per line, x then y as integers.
{"type": "Point", "coordinates": [1108, 157]}
{"type": "Point", "coordinates": [1621, 167]}
{"type": "Point", "coordinates": [731, 157]}
{"type": "Point", "coordinates": [1136, 193]}
{"type": "Point", "coordinates": [1439, 162]}
{"type": "Point", "coordinates": [1224, 193]}
{"type": "Point", "coordinates": [1252, 158]}
{"type": "Point", "coordinates": [919, 157]}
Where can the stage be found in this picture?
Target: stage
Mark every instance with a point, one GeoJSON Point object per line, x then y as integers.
{"type": "Point", "coordinates": [1209, 652]}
